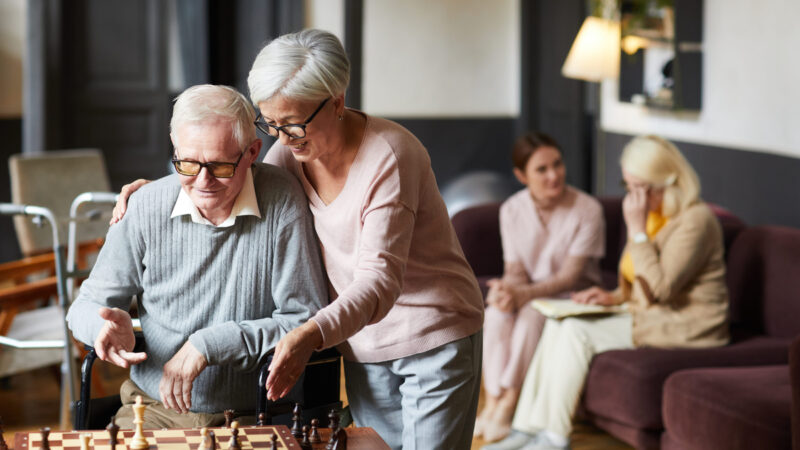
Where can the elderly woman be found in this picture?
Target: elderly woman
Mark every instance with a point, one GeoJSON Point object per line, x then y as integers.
{"type": "Point", "coordinates": [553, 238]}
{"type": "Point", "coordinates": [672, 274]}
{"type": "Point", "coordinates": [406, 310]}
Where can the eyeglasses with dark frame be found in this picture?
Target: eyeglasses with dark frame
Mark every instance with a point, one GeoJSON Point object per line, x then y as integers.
{"type": "Point", "coordinates": [217, 169]}
{"type": "Point", "coordinates": [292, 130]}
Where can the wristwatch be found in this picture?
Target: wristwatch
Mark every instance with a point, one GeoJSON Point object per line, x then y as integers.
{"type": "Point", "coordinates": [640, 237]}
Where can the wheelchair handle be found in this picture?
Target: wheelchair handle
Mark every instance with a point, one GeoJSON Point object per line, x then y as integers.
{"type": "Point", "coordinates": [12, 209]}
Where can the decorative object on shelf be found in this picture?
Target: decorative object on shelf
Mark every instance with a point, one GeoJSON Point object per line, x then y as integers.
{"type": "Point", "coordinates": [661, 64]}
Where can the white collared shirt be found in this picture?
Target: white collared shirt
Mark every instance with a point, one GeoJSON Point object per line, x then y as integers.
{"type": "Point", "coordinates": [245, 205]}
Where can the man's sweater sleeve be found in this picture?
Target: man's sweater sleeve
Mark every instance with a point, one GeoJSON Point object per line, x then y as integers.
{"type": "Point", "coordinates": [114, 280]}
{"type": "Point", "coordinates": [298, 291]}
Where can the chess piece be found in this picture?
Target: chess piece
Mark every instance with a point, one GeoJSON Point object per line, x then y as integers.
{"type": "Point", "coordinates": [297, 416]}
{"type": "Point", "coordinates": [314, 437]}
{"type": "Point", "coordinates": [340, 443]}
{"type": "Point", "coordinates": [3, 445]}
{"type": "Point", "coordinates": [203, 438]}
{"type": "Point", "coordinates": [45, 433]}
{"type": "Point", "coordinates": [233, 444]}
{"type": "Point", "coordinates": [85, 438]}
{"type": "Point", "coordinates": [113, 433]}
{"type": "Point", "coordinates": [138, 441]}
{"type": "Point", "coordinates": [228, 417]}
{"type": "Point", "coordinates": [333, 420]}
{"type": "Point", "coordinates": [262, 419]}
{"type": "Point", "coordinates": [305, 444]}
{"type": "Point", "coordinates": [334, 426]}
{"type": "Point", "coordinates": [273, 442]}
{"type": "Point", "coordinates": [212, 441]}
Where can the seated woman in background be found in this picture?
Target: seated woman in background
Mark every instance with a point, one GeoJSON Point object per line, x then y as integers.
{"type": "Point", "coordinates": [672, 274]}
{"type": "Point", "coordinates": [553, 238]}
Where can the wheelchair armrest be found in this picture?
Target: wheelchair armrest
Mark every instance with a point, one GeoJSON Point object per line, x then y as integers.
{"type": "Point", "coordinates": [81, 407]}
{"type": "Point", "coordinates": [330, 355]}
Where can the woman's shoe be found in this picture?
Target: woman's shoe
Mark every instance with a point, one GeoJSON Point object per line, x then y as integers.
{"type": "Point", "coordinates": [493, 431]}
{"type": "Point", "coordinates": [515, 441]}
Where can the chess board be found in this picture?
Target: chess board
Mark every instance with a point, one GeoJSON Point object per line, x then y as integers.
{"type": "Point", "coordinates": [250, 437]}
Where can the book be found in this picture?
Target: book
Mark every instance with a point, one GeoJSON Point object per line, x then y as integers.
{"type": "Point", "coordinates": [561, 308]}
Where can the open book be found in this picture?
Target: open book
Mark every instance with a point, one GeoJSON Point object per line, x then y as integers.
{"type": "Point", "coordinates": [561, 308]}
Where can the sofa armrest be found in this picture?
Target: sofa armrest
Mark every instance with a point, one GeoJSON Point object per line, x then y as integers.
{"type": "Point", "coordinates": [794, 374]}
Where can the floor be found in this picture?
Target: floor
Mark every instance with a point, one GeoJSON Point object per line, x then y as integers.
{"type": "Point", "coordinates": [30, 401]}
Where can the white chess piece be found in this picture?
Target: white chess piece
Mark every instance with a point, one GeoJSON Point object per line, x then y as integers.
{"type": "Point", "coordinates": [138, 442]}
{"type": "Point", "coordinates": [85, 438]}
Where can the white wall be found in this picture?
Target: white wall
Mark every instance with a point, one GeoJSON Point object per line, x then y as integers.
{"type": "Point", "coordinates": [751, 83]}
{"type": "Point", "coordinates": [435, 58]}
{"type": "Point", "coordinates": [326, 15]}
{"type": "Point", "coordinates": [12, 39]}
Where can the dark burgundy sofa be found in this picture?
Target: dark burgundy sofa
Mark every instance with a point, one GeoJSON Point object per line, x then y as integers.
{"type": "Point", "coordinates": [624, 388]}
{"type": "Point", "coordinates": [745, 407]}
{"type": "Point", "coordinates": [731, 408]}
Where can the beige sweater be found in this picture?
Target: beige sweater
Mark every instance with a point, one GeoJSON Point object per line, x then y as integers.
{"type": "Point", "coordinates": [679, 297]}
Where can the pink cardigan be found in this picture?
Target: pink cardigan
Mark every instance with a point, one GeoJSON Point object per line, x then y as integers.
{"type": "Point", "coordinates": [396, 271]}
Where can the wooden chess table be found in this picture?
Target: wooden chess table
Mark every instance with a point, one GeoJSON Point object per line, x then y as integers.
{"type": "Point", "coordinates": [250, 437]}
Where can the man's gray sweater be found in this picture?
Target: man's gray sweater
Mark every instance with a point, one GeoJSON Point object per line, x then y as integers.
{"type": "Point", "coordinates": [232, 292]}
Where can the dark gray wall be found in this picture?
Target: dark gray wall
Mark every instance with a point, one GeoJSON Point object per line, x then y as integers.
{"type": "Point", "coordinates": [457, 146]}
{"type": "Point", "coordinates": [758, 187]}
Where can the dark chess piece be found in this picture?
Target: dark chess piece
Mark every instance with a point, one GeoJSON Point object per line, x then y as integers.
{"type": "Point", "coordinates": [212, 441]}
{"type": "Point", "coordinates": [228, 413]}
{"type": "Point", "coordinates": [45, 433]}
{"type": "Point", "coordinates": [314, 437]}
{"type": "Point", "coordinates": [273, 442]}
{"type": "Point", "coordinates": [113, 433]}
{"type": "Point", "coordinates": [262, 419]}
{"type": "Point", "coordinates": [305, 444]}
{"type": "Point", "coordinates": [333, 420]}
{"type": "Point", "coordinates": [3, 445]}
{"type": "Point", "coordinates": [297, 416]}
{"type": "Point", "coordinates": [340, 443]}
{"type": "Point", "coordinates": [334, 426]}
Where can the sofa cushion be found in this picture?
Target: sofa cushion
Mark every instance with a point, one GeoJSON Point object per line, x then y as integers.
{"type": "Point", "coordinates": [625, 386]}
{"type": "Point", "coordinates": [794, 373]}
{"type": "Point", "coordinates": [728, 408]}
{"type": "Point", "coordinates": [478, 231]}
{"type": "Point", "coordinates": [764, 264]}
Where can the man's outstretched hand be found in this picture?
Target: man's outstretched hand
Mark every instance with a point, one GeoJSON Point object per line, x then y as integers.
{"type": "Point", "coordinates": [115, 341]}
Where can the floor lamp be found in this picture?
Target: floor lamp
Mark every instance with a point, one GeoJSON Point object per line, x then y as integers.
{"type": "Point", "coordinates": [594, 57]}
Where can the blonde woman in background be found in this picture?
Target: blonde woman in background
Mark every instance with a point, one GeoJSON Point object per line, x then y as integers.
{"type": "Point", "coordinates": [553, 237]}
{"type": "Point", "coordinates": [672, 275]}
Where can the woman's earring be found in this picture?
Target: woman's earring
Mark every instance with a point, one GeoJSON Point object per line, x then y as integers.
{"type": "Point", "coordinates": [341, 117]}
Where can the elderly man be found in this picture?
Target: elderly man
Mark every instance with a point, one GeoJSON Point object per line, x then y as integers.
{"type": "Point", "coordinates": [223, 260]}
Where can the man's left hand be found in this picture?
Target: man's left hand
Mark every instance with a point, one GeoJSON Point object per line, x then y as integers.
{"type": "Point", "coordinates": [179, 373]}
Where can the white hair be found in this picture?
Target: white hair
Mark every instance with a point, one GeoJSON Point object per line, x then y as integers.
{"type": "Point", "coordinates": [307, 65]}
{"type": "Point", "coordinates": [207, 101]}
{"type": "Point", "coordinates": [658, 162]}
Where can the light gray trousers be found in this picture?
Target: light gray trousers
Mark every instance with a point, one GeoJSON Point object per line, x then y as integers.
{"type": "Point", "coordinates": [423, 401]}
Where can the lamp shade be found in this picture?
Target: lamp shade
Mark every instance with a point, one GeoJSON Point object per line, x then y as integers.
{"type": "Point", "coordinates": [594, 54]}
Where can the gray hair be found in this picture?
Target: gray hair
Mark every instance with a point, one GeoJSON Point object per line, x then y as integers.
{"type": "Point", "coordinates": [307, 65]}
{"type": "Point", "coordinates": [207, 101]}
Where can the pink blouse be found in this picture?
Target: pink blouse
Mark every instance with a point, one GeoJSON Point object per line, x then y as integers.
{"type": "Point", "coordinates": [396, 271]}
{"type": "Point", "coordinates": [576, 228]}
